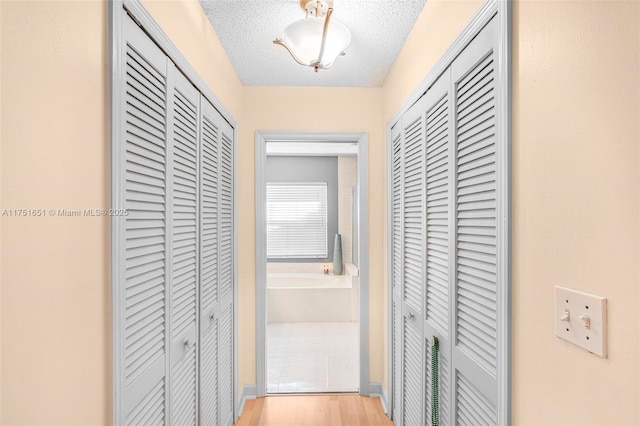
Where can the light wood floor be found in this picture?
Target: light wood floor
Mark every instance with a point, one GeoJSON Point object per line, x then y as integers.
{"type": "Point", "coordinates": [314, 410]}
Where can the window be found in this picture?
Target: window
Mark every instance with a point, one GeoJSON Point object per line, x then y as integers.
{"type": "Point", "coordinates": [297, 220]}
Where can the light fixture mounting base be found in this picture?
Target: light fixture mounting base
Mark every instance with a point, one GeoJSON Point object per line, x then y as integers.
{"type": "Point", "coordinates": [316, 7]}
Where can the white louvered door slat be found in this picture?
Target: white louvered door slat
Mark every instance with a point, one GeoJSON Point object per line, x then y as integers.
{"type": "Point", "coordinates": [413, 133]}
{"type": "Point", "coordinates": [209, 374]}
{"type": "Point", "coordinates": [143, 334]}
{"type": "Point", "coordinates": [209, 159]}
{"type": "Point", "coordinates": [476, 282]}
{"type": "Point", "coordinates": [396, 235]}
{"type": "Point", "coordinates": [185, 239]}
{"type": "Point", "coordinates": [413, 185]}
{"type": "Point", "coordinates": [412, 374]}
{"type": "Point", "coordinates": [437, 219]}
{"type": "Point", "coordinates": [225, 330]}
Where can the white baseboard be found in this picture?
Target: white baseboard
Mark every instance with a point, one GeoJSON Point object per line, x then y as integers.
{"type": "Point", "coordinates": [248, 392]}
{"type": "Point", "coordinates": [376, 389]}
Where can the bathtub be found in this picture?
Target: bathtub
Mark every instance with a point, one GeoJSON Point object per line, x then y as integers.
{"type": "Point", "coordinates": [310, 297]}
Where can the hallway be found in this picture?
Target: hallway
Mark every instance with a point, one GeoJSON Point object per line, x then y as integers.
{"type": "Point", "coordinates": [573, 213]}
{"type": "Point", "coordinates": [314, 410]}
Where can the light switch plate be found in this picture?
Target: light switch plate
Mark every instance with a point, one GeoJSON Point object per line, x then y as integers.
{"type": "Point", "coordinates": [581, 319]}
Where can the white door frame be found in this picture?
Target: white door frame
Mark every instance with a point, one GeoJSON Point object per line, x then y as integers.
{"type": "Point", "coordinates": [361, 139]}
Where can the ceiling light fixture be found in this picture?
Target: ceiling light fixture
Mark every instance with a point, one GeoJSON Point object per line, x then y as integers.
{"type": "Point", "coordinates": [315, 41]}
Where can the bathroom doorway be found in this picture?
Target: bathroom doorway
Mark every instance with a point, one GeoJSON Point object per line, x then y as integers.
{"type": "Point", "coordinates": [311, 274]}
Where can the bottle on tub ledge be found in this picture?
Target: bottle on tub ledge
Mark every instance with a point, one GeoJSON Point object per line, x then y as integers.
{"type": "Point", "coordinates": [337, 255]}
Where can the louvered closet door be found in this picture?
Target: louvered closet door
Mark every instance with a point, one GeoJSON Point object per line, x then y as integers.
{"type": "Point", "coordinates": [209, 288]}
{"type": "Point", "coordinates": [437, 219]}
{"type": "Point", "coordinates": [225, 319]}
{"type": "Point", "coordinates": [413, 132]}
{"type": "Point", "coordinates": [396, 185]}
{"type": "Point", "coordinates": [173, 289]}
{"type": "Point", "coordinates": [142, 306]}
{"type": "Point", "coordinates": [184, 259]}
{"type": "Point", "coordinates": [475, 316]}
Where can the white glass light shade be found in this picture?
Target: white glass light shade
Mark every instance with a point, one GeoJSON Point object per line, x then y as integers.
{"type": "Point", "coordinates": [304, 38]}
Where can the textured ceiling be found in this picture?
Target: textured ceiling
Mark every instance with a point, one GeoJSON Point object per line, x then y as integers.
{"type": "Point", "coordinates": [246, 29]}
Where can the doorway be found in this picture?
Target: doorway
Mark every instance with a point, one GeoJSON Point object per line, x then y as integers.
{"type": "Point", "coordinates": [311, 320]}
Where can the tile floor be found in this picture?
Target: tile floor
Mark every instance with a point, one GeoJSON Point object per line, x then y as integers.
{"type": "Point", "coordinates": [312, 357]}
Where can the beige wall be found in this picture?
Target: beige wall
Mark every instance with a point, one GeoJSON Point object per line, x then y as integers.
{"type": "Point", "coordinates": [438, 25]}
{"type": "Point", "coordinates": [56, 294]}
{"type": "Point", "coordinates": [187, 26]}
{"type": "Point", "coordinates": [576, 193]}
{"type": "Point", "coordinates": [0, 217]}
{"type": "Point", "coordinates": [55, 270]}
{"type": "Point", "coordinates": [294, 108]}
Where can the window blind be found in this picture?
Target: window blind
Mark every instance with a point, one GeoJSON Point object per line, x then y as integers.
{"type": "Point", "coordinates": [297, 220]}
